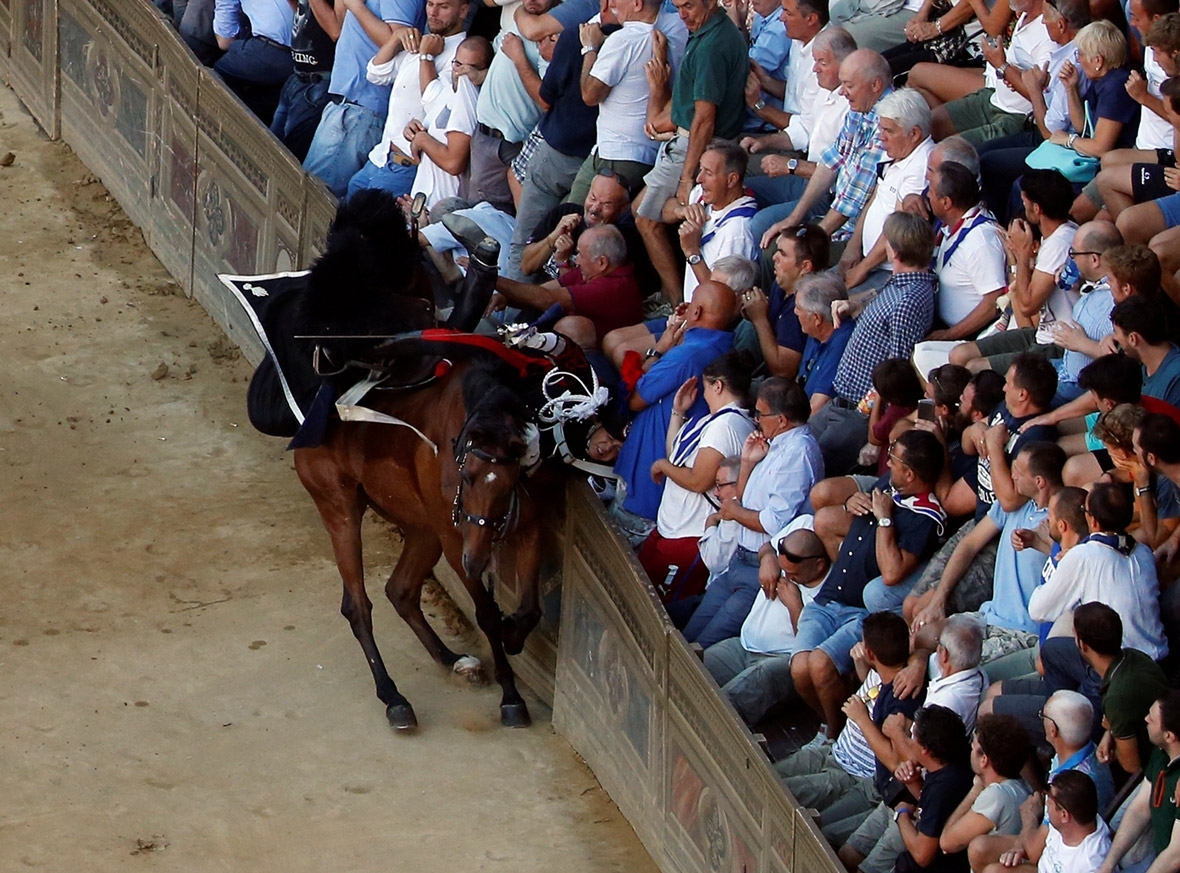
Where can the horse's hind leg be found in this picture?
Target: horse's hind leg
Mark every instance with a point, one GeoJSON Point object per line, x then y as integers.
{"type": "Point", "coordinates": [421, 550]}
{"type": "Point", "coordinates": [341, 514]}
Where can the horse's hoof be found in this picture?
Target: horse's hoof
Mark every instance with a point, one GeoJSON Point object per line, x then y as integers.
{"type": "Point", "coordinates": [471, 669]}
{"type": "Point", "coordinates": [401, 716]}
{"type": "Point", "coordinates": [515, 715]}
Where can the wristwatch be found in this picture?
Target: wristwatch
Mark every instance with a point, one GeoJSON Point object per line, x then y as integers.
{"type": "Point", "coordinates": [1139, 492]}
{"type": "Point", "coordinates": [653, 353]}
{"type": "Point", "coordinates": [693, 260]}
{"type": "Point", "coordinates": [586, 49]}
{"type": "Point", "coordinates": [792, 165]}
{"type": "Point", "coordinates": [759, 106]}
{"type": "Point", "coordinates": [885, 522]}
{"type": "Point", "coordinates": [897, 812]}
{"type": "Point", "coordinates": [1002, 72]}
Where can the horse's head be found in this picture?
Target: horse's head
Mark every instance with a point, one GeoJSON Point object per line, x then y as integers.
{"type": "Point", "coordinates": [489, 453]}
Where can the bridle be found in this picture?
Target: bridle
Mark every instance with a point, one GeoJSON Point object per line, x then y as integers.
{"type": "Point", "coordinates": [501, 525]}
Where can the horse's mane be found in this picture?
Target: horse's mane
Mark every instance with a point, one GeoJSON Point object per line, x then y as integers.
{"type": "Point", "coordinates": [360, 283]}
{"type": "Point", "coordinates": [496, 413]}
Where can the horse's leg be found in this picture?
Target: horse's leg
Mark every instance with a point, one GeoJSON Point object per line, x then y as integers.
{"type": "Point", "coordinates": [513, 710]}
{"type": "Point", "coordinates": [421, 550]}
{"type": "Point", "coordinates": [341, 510]}
{"type": "Point", "coordinates": [527, 566]}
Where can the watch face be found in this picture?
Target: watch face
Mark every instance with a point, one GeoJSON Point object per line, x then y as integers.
{"type": "Point", "coordinates": [793, 164]}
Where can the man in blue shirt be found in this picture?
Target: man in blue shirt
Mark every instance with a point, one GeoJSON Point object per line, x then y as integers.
{"type": "Point", "coordinates": [257, 59]}
{"type": "Point", "coordinates": [682, 352]}
{"type": "Point", "coordinates": [814, 296]}
{"type": "Point", "coordinates": [355, 115]}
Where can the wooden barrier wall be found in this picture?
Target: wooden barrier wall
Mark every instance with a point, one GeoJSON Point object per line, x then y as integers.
{"type": "Point", "coordinates": [215, 192]}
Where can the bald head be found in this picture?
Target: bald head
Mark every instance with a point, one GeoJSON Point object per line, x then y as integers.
{"type": "Point", "coordinates": [864, 77]}
{"type": "Point", "coordinates": [713, 305]}
{"type": "Point", "coordinates": [1090, 242]}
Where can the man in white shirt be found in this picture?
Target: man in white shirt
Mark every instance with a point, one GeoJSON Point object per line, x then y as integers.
{"type": "Point", "coordinates": [1001, 105]}
{"type": "Point", "coordinates": [392, 164]}
{"type": "Point", "coordinates": [1042, 292]}
{"type": "Point", "coordinates": [905, 133]}
{"type": "Point", "coordinates": [716, 221]}
{"type": "Point", "coordinates": [803, 23]}
{"type": "Point", "coordinates": [781, 178]}
{"type": "Point", "coordinates": [754, 668]}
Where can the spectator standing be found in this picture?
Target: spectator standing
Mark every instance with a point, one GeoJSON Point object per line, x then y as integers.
{"type": "Point", "coordinates": [257, 60]}
{"type": "Point", "coordinates": [314, 32]}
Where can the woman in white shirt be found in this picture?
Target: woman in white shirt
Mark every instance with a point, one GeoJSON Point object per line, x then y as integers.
{"type": "Point", "coordinates": [696, 448]}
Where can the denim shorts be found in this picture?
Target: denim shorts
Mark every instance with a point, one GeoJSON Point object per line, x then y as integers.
{"type": "Point", "coordinates": [833, 629]}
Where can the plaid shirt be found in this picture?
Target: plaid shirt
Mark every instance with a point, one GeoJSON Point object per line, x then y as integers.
{"type": "Point", "coordinates": [888, 328]}
{"type": "Point", "coordinates": [854, 157]}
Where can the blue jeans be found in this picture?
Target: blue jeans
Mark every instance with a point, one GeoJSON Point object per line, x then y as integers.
{"type": "Point", "coordinates": [727, 601]}
{"type": "Point", "coordinates": [394, 178]}
{"type": "Point", "coordinates": [832, 628]}
{"type": "Point", "coordinates": [301, 103]}
{"type": "Point", "coordinates": [256, 71]}
{"type": "Point", "coordinates": [346, 134]}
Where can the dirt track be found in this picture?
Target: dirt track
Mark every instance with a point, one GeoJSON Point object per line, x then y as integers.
{"type": "Point", "coordinates": [177, 687]}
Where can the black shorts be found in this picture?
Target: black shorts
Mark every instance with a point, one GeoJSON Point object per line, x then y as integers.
{"type": "Point", "coordinates": [1147, 182]}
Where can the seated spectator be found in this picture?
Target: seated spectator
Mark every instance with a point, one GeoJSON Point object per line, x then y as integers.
{"type": "Point", "coordinates": [799, 251]}
{"type": "Point", "coordinates": [719, 541]}
{"type": "Point", "coordinates": [703, 333]}
{"type": "Point", "coordinates": [993, 103]}
{"type": "Point", "coordinates": [696, 448]}
{"type": "Point", "coordinates": [256, 38]}
{"type": "Point", "coordinates": [1136, 270]}
{"type": "Point", "coordinates": [770, 52]}
{"type": "Point", "coordinates": [887, 537]}
{"type": "Point", "coordinates": [1036, 473]}
{"type": "Point", "coordinates": [351, 125]}
{"type": "Point", "coordinates": [1040, 293]}
{"type": "Point", "coordinates": [393, 163]}
{"type": "Point", "coordinates": [1157, 447]}
{"type": "Point", "coordinates": [904, 120]}
{"type": "Point", "coordinates": [305, 93]}
{"type": "Point", "coordinates": [875, 845]}
{"type": "Point", "coordinates": [888, 327]}
{"type": "Point", "coordinates": [849, 166]}
{"type": "Point", "coordinates": [939, 776]}
{"type": "Point", "coordinates": [1072, 837]}
{"type": "Point", "coordinates": [1154, 804]}
{"type": "Point", "coordinates": [781, 163]}
{"type": "Point", "coordinates": [1136, 175]}
{"type": "Point", "coordinates": [898, 390]}
{"type": "Point", "coordinates": [1003, 159]}
{"type": "Point", "coordinates": [602, 287]}
{"type": "Point", "coordinates": [842, 780]}
{"type": "Point", "coordinates": [999, 750]}
{"type": "Point", "coordinates": [754, 668]}
{"type": "Point", "coordinates": [814, 296]}
{"type": "Point", "coordinates": [780, 463]}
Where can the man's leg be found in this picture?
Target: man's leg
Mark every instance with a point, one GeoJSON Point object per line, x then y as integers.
{"type": "Point", "coordinates": [940, 83]}
{"type": "Point", "coordinates": [341, 145]}
{"type": "Point", "coordinates": [761, 686]}
{"type": "Point", "coordinates": [549, 179]}
{"type": "Point", "coordinates": [832, 661]}
{"type": "Point", "coordinates": [1166, 245]}
{"type": "Point", "coordinates": [987, 849]}
{"type": "Point", "coordinates": [662, 183]}
{"type": "Point", "coordinates": [742, 579]}
{"type": "Point", "coordinates": [879, 32]}
{"type": "Point", "coordinates": [300, 108]}
{"type": "Point", "coordinates": [196, 29]}
{"type": "Point", "coordinates": [725, 660]}
{"type": "Point", "coordinates": [716, 596]}
{"type": "Point", "coordinates": [1140, 223]}
{"type": "Point", "coordinates": [395, 179]}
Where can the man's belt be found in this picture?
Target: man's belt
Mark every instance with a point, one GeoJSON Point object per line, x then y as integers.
{"type": "Point", "coordinates": [396, 157]}
{"type": "Point", "coordinates": [272, 42]}
{"type": "Point", "coordinates": [490, 131]}
{"type": "Point", "coordinates": [841, 403]}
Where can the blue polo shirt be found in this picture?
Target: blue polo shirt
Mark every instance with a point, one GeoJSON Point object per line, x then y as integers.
{"type": "Point", "coordinates": [1017, 574]}
{"type": "Point", "coordinates": [354, 50]}
{"type": "Point", "coordinates": [817, 371]}
{"type": "Point", "coordinates": [780, 311]}
{"type": "Point", "coordinates": [647, 441]}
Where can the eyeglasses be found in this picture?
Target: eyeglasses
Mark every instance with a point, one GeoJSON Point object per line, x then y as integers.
{"type": "Point", "coordinates": [893, 457]}
{"type": "Point", "coordinates": [1041, 715]}
{"type": "Point", "coordinates": [1074, 254]}
{"type": "Point", "coordinates": [759, 414]}
{"type": "Point", "coordinates": [717, 486]}
{"type": "Point", "coordinates": [608, 173]}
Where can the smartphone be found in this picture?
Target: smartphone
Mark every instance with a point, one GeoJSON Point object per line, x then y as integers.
{"type": "Point", "coordinates": [926, 410]}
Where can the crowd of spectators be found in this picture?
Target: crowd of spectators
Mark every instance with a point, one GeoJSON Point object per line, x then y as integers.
{"type": "Point", "coordinates": [887, 292]}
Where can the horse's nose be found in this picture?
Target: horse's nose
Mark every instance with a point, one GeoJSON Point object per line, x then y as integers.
{"type": "Point", "coordinates": [474, 565]}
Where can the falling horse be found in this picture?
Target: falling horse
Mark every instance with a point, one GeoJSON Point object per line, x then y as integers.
{"type": "Point", "coordinates": [445, 467]}
{"type": "Point", "coordinates": [456, 504]}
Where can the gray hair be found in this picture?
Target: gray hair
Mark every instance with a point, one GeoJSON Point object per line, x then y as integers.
{"type": "Point", "coordinates": [837, 40]}
{"type": "Point", "coordinates": [908, 108]}
{"type": "Point", "coordinates": [955, 148]}
{"type": "Point", "coordinates": [741, 272]}
{"type": "Point", "coordinates": [1073, 714]}
{"type": "Point", "coordinates": [816, 292]}
{"type": "Point", "coordinates": [605, 240]}
{"type": "Point", "coordinates": [962, 637]}
{"type": "Point", "coordinates": [872, 65]}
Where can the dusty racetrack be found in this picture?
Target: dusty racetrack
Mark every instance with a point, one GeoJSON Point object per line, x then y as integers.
{"type": "Point", "coordinates": [177, 688]}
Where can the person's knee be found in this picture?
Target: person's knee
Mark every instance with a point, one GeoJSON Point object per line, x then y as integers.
{"type": "Point", "coordinates": [823, 670]}
{"type": "Point", "coordinates": [801, 669]}
{"type": "Point", "coordinates": [963, 353]}
{"type": "Point", "coordinates": [941, 125]}
{"type": "Point", "coordinates": [832, 491]}
{"type": "Point", "coordinates": [850, 858]}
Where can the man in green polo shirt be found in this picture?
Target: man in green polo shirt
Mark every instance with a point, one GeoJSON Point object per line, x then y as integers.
{"type": "Point", "coordinates": [708, 101]}
{"type": "Point", "coordinates": [1154, 802]}
{"type": "Point", "coordinates": [1130, 682]}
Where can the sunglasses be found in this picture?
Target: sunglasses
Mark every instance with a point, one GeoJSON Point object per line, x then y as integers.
{"type": "Point", "coordinates": [608, 173]}
{"type": "Point", "coordinates": [792, 557]}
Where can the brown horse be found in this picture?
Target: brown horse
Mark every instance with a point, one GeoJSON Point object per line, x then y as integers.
{"type": "Point", "coordinates": [453, 488]}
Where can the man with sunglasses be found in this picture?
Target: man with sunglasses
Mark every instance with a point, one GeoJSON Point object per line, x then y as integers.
{"type": "Point", "coordinates": [754, 668]}
{"type": "Point", "coordinates": [1154, 803]}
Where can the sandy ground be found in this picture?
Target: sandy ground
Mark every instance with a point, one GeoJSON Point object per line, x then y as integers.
{"type": "Point", "coordinates": [177, 688]}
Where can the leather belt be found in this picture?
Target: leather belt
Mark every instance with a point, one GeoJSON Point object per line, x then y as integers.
{"type": "Point", "coordinates": [841, 403]}
{"type": "Point", "coordinates": [272, 42]}
{"type": "Point", "coordinates": [490, 131]}
{"type": "Point", "coordinates": [396, 157]}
